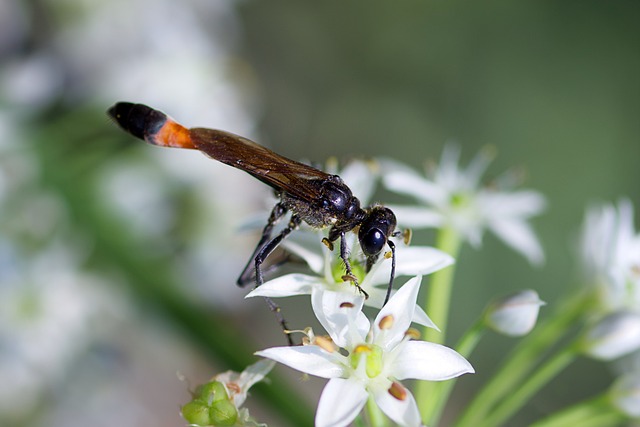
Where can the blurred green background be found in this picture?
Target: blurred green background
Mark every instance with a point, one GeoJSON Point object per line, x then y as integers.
{"type": "Point", "coordinates": [118, 260]}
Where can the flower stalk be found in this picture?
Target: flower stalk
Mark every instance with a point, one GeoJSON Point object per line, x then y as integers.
{"type": "Point", "coordinates": [429, 394]}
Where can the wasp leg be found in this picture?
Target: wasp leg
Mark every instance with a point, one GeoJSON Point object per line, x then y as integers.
{"type": "Point", "coordinates": [393, 270]}
{"type": "Point", "coordinates": [247, 276]}
{"type": "Point", "coordinates": [261, 256]}
{"type": "Point", "coordinates": [349, 276]}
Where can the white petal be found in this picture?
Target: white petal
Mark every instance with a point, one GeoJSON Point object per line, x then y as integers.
{"type": "Point", "coordinates": [478, 166]}
{"type": "Point", "coordinates": [341, 401]}
{"type": "Point", "coordinates": [340, 314]}
{"type": "Point", "coordinates": [421, 318]}
{"type": "Point", "coordinates": [519, 235]}
{"type": "Point", "coordinates": [412, 184]}
{"type": "Point", "coordinates": [411, 261]}
{"type": "Point", "coordinates": [308, 251]}
{"type": "Point", "coordinates": [614, 336]}
{"type": "Point", "coordinates": [403, 412]}
{"type": "Point", "coordinates": [625, 394]}
{"type": "Point", "coordinates": [286, 286]}
{"type": "Point", "coordinates": [310, 359]}
{"type": "Point", "coordinates": [417, 217]}
{"type": "Point", "coordinates": [518, 204]}
{"type": "Point", "coordinates": [361, 179]}
{"type": "Point", "coordinates": [423, 360]}
{"type": "Point", "coordinates": [401, 308]}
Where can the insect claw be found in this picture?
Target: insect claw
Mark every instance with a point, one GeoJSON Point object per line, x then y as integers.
{"type": "Point", "coordinates": [354, 280]}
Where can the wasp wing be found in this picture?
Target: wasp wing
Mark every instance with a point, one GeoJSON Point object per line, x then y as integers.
{"type": "Point", "coordinates": [283, 174]}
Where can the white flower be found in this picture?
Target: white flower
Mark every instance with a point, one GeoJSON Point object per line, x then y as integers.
{"type": "Point", "coordinates": [376, 357]}
{"type": "Point", "coordinates": [412, 260]}
{"type": "Point", "coordinates": [454, 197]}
{"type": "Point", "coordinates": [514, 315]}
{"type": "Point", "coordinates": [625, 394]}
{"type": "Point", "coordinates": [610, 250]}
{"type": "Point", "coordinates": [613, 336]}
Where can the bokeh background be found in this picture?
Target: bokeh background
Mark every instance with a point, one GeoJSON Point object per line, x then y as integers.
{"type": "Point", "coordinates": [118, 260]}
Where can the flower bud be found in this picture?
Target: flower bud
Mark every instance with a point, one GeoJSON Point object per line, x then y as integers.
{"type": "Point", "coordinates": [625, 394]}
{"type": "Point", "coordinates": [211, 392]}
{"type": "Point", "coordinates": [514, 315]}
{"type": "Point", "coordinates": [196, 412]}
{"type": "Point", "coordinates": [613, 336]}
{"type": "Point", "coordinates": [223, 413]}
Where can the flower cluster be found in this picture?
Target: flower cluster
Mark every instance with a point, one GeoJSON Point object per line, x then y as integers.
{"type": "Point", "coordinates": [366, 360]}
{"type": "Point", "coordinates": [455, 197]}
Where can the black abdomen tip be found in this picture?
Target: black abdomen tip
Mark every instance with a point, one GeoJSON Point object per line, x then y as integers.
{"type": "Point", "coordinates": [137, 119]}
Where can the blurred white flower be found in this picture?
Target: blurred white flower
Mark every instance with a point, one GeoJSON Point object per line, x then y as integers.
{"type": "Point", "coordinates": [610, 248]}
{"type": "Point", "coordinates": [613, 336]}
{"type": "Point", "coordinates": [377, 356]}
{"type": "Point", "coordinates": [48, 315]}
{"type": "Point", "coordinates": [514, 315]}
{"type": "Point", "coordinates": [625, 394]}
{"type": "Point", "coordinates": [454, 197]}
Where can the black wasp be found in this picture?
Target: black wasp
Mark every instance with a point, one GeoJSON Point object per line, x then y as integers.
{"type": "Point", "coordinates": [313, 196]}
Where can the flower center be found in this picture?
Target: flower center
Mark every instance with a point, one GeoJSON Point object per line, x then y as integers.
{"type": "Point", "coordinates": [337, 270]}
{"type": "Point", "coordinates": [460, 200]}
{"type": "Point", "coordinates": [372, 355]}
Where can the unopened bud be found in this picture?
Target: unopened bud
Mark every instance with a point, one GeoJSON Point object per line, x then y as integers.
{"type": "Point", "coordinates": [514, 315]}
{"type": "Point", "coordinates": [613, 336]}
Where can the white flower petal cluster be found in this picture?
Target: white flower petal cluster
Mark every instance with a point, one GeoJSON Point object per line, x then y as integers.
{"type": "Point", "coordinates": [610, 248]}
{"type": "Point", "coordinates": [374, 358]}
{"type": "Point", "coordinates": [454, 197]}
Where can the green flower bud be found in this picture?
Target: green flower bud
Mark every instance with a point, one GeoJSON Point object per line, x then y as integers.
{"type": "Point", "coordinates": [196, 412]}
{"type": "Point", "coordinates": [223, 413]}
{"type": "Point", "coordinates": [211, 392]}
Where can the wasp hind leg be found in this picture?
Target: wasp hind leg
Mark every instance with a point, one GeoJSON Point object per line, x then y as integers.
{"type": "Point", "coordinates": [263, 251]}
{"type": "Point", "coordinates": [248, 273]}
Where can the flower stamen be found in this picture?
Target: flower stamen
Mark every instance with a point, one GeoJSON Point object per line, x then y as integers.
{"type": "Point", "coordinates": [398, 391]}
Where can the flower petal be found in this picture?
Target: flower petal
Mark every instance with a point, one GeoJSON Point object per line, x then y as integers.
{"type": "Point", "coordinates": [411, 261]}
{"type": "Point", "coordinates": [310, 359]}
{"type": "Point", "coordinates": [519, 235]}
{"type": "Point", "coordinates": [403, 412]}
{"type": "Point", "coordinates": [423, 360]}
{"type": "Point", "coordinates": [286, 286]}
{"type": "Point", "coordinates": [401, 308]}
{"type": "Point", "coordinates": [412, 184]}
{"type": "Point", "coordinates": [341, 401]}
{"type": "Point", "coordinates": [417, 217]}
{"type": "Point", "coordinates": [308, 250]}
{"type": "Point", "coordinates": [340, 313]}
{"type": "Point", "coordinates": [361, 179]}
{"type": "Point", "coordinates": [421, 318]}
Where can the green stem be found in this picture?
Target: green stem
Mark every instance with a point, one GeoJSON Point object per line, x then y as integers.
{"type": "Point", "coordinates": [437, 307]}
{"type": "Point", "coordinates": [580, 413]}
{"type": "Point", "coordinates": [524, 358]}
{"type": "Point", "coordinates": [516, 400]}
{"type": "Point", "coordinates": [376, 417]}
{"type": "Point", "coordinates": [443, 389]}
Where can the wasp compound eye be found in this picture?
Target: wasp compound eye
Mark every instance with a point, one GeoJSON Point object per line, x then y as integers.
{"type": "Point", "coordinates": [372, 240]}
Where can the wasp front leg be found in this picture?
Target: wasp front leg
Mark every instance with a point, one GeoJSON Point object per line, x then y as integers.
{"type": "Point", "coordinates": [344, 255]}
